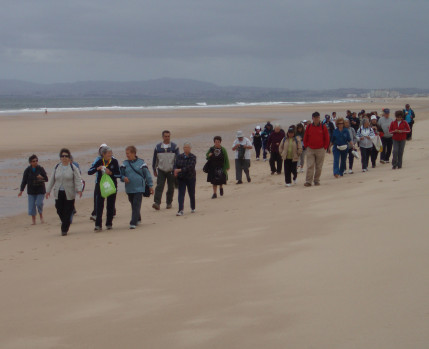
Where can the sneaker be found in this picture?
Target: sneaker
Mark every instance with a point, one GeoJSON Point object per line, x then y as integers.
{"type": "Point", "coordinates": [382, 162]}
{"type": "Point", "coordinates": [132, 226]}
{"type": "Point", "coordinates": [180, 213]}
{"type": "Point", "coordinates": [249, 179]}
{"type": "Point", "coordinates": [63, 233]}
{"type": "Point", "coordinates": [288, 185]}
{"type": "Point", "coordinates": [156, 206]}
{"type": "Point", "coordinates": [301, 170]}
{"type": "Point", "coordinates": [272, 173]}
{"type": "Point", "coordinates": [306, 184]}
{"type": "Point", "coordinates": [214, 196]}
{"type": "Point", "coordinates": [373, 166]}
{"type": "Point", "coordinates": [221, 191]}
{"type": "Point", "coordinates": [193, 211]}
{"type": "Point", "coordinates": [265, 160]}
{"type": "Point", "coordinates": [350, 172]}
{"type": "Point", "coordinates": [399, 167]}
{"type": "Point", "coordinates": [240, 182]}
{"type": "Point", "coordinates": [97, 228]}
{"type": "Point", "coordinates": [394, 168]}
{"type": "Point", "coordinates": [169, 206]}
{"type": "Point", "coordinates": [108, 227]}
{"type": "Point", "coordinates": [336, 176]}
{"type": "Point", "coordinates": [386, 161]}
{"type": "Point", "coordinates": [294, 182]}
{"type": "Point", "coordinates": [316, 183]}
{"type": "Point", "coordinates": [93, 218]}
{"type": "Point", "coordinates": [257, 159]}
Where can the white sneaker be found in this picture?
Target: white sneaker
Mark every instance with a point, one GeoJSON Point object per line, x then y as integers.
{"type": "Point", "coordinates": [180, 213]}
{"type": "Point", "coordinates": [288, 185]}
{"type": "Point", "coordinates": [301, 170]}
{"type": "Point", "coordinates": [350, 172]}
{"type": "Point", "coordinates": [193, 211]}
{"type": "Point", "coordinates": [132, 226]}
{"type": "Point", "coordinates": [257, 159]}
{"type": "Point", "coordinates": [294, 182]}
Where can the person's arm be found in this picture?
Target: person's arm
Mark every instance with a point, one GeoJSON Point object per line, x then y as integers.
{"type": "Point", "coordinates": [77, 180]}
{"type": "Point", "coordinates": [249, 145]}
{"type": "Point", "coordinates": [51, 183]}
{"type": "Point", "coordinates": [235, 145]}
{"type": "Point", "coordinates": [225, 159]}
{"type": "Point", "coordinates": [93, 168]}
{"type": "Point", "coordinates": [147, 176]}
{"type": "Point", "coordinates": [24, 181]}
{"type": "Point", "coordinates": [298, 146]}
{"type": "Point", "coordinates": [43, 174]}
{"type": "Point", "coordinates": [155, 161]}
{"type": "Point", "coordinates": [407, 128]}
{"type": "Point", "coordinates": [326, 138]}
{"type": "Point", "coordinates": [123, 169]}
{"type": "Point", "coordinates": [116, 171]}
{"type": "Point", "coordinates": [209, 153]}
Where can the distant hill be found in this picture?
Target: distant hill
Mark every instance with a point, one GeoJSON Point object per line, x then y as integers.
{"type": "Point", "coordinates": [181, 90]}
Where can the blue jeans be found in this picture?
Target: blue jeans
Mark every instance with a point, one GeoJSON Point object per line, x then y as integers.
{"type": "Point", "coordinates": [135, 200]}
{"type": "Point", "coordinates": [186, 183]}
{"type": "Point", "coordinates": [35, 201]}
{"type": "Point", "coordinates": [340, 158]}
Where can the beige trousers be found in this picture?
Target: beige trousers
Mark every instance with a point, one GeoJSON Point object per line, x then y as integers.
{"type": "Point", "coordinates": [315, 158]}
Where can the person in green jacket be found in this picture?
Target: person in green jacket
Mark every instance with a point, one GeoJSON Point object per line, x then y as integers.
{"type": "Point", "coordinates": [218, 166]}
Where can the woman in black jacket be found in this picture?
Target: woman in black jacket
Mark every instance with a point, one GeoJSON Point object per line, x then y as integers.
{"type": "Point", "coordinates": [34, 178]}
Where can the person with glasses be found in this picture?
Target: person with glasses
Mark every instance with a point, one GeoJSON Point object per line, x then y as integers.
{"type": "Point", "coordinates": [399, 129]}
{"type": "Point", "coordinates": [66, 182]}
{"type": "Point", "coordinates": [34, 178]}
{"type": "Point", "coordinates": [340, 143]}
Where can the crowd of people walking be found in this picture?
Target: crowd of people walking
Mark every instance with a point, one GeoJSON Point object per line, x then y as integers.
{"type": "Point", "coordinates": [307, 142]}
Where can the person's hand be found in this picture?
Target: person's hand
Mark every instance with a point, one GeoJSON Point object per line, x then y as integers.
{"type": "Point", "coordinates": [155, 173]}
{"type": "Point", "coordinates": [79, 193]}
{"type": "Point", "coordinates": [40, 177]}
{"type": "Point", "coordinates": [151, 190]}
{"type": "Point", "coordinates": [329, 150]}
{"type": "Point", "coordinates": [99, 168]}
{"type": "Point", "coordinates": [367, 137]}
{"type": "Point", "coordinates": [399, 131]}
{"type": "Point", "coordinates": [210, 154]}
{"type": "Point", "coordinates": [20, 194]}
{"type": "Point", "coordinates": [176, 171]}
{"type": "Point", "coordinates": [126, 180]}
{"type": "Point", "coordinates": [108, 171]}
{"type": "Point", "coordinates": [47, 195]}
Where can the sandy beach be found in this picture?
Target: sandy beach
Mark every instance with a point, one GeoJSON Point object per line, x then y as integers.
{"type": "Point", "coordinates": [342, 265]}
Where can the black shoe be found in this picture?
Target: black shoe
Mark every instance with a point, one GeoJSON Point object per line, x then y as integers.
{"type": "Point", "coordinates": [63, 233]}
{"type": "Point", "coordinates": [221, 191]}
{"type": "Point", "coordinates": [373, 166]}
{"type": "Point", "coordinates": [240, 182]}
{"type": "Point", "coordinates": [394, 168]}
{"type": "Point", "coordinates": [249, 179]}
{"type": "Point", "coordinates": [272, 173]}
{"type": "Point", "coordinates": [214, 196]}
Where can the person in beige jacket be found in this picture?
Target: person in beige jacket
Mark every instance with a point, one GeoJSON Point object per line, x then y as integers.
{"type": "Point", "coordinates": [290, 149]}
{"type": "Point", "coordinates": [66, 182]}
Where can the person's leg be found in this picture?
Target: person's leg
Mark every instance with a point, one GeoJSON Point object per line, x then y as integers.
{"type": "Point", "coordinates": [367, 152]}
{"type": "Point", "coordinates": [111, 201]}
{"type": "Point", "coordinates": [279, 161]}
{"type": "Point", "coordinates": [159, 189]}
{"type": "Point", "coordinates": [336, 155]}
{"type": "Point", "coordinates": [395, 154]}
{"type": "Point", "coordinates": [39, 205]}
{"type": "Point", "coordinates": [362, 157]}
{"type": "Point", "coordinates": [136, 204]}
{"type": "Point", "coordinates": [302, 160]}
{"type": "Point", "coordinates": [311, 162]}
{"type": "Point", "coordinates": [171, 181]}
{"type": "Point", "coordinates": [131, 200]}
{"type": "Point", "coordinates": [351, 159]}
{"type": "Point", "coordinates": [272, 162]}
{"type": "Point", "coordinates": [374, 155]}
{"type": "Point", "coordinates": [68, 210]}
{"type": "Point", "coordinates": [320, 157]}
{"type": "Point", "coordinates": [215, 189]}
{"type": "Point", "coordinates": [181, 195]}
{"type": "Point", "coordinates": [410, 135]}
{"type": "Point", "coordinates": [32, 205]}
{"type": "Point", "coordinates": [191, 191]}
{"type": "Point", "coordinates": [258, 151]}
{"type": "Point", "coordinates": [288, 170]}
{"type": "Point", "coordinates": [246, 166]}
{"type": "Point", "coordinates": [389, 144]}
{"type": "Point", "coordinates": [99, 210]}
{"type": "Point", "coordinates": [343, 161]}
{"type": "Point", "coordinates": [264, 150]}
{"type": "Point", "coordinates": [238, 172]}
{"type": "Point", "coordinates": [94, 210]}
{"type": "Point", "coordinates": [294, 170]}
{"type": "Point", "coordinates": [401, 149]}
{"type": "Point", "coordinates": [383, 151]}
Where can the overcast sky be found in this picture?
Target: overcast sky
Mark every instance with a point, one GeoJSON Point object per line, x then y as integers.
{"type": "Point", "coordinates": [295, 44]}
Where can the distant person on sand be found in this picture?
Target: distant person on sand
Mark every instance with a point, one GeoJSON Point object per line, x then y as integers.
{"type": "Point", "coordinates": [299, 132]}
{"type": "Point", "coordinates": [218, 166]}
{"type": "Point", "coordinates": [93, 213]}
{"type": "Point", "coordinates": [256, 138]}
{"type": "Point", "coordinates": [409, 116]}
{"type": "Point", "coordinates": [386, 138]}
{"type": "Point", "coordinates": [34, 178]}
{"type": "Point", "coordinates": [242, 146]}
{"type": "Point", "coordinates": [164, 156]}
{"type": "Point", "coordinates": [351, 151]}
{"type": "Point", "coordinates": [109, 165]}
{"type": "Point", "coordinates": [340, 142]}
{"type": "Point", "coordinates": [136, 175]}
{"type": "Point", "coordinates": [273, 146]}
{"type": "Point", "coordinates": [66, 182]}
{"type": "Point", "coordinates": [184, 171]}
{"type": "Point", "coordinates": [316, 141]}
{"type": "Point", "coordinates": [377, 141]}
{"type": "Point", "coordinates": [365, 135]}
{"type": "Point", "coordinates": [290, 149]}
{"type": "Point", "coordinates": [399, 129]}
{"type": "Point", "coordinates": [268, 129]}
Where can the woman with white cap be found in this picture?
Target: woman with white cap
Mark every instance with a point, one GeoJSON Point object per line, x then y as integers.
{"type": "Point", "coordinates": [377, 140]}
{"type": "Point", "coordinates": [365, 134]}
{"type": "Point", "coordinates": [256, 138]}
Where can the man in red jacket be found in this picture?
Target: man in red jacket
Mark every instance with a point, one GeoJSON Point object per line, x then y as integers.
{"type": "Point", "coordinates": [316, 141]}
{"type": "Point", "coordinates": [399, 129]}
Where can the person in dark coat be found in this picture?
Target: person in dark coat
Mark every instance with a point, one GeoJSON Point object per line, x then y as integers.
{"type": "Point", "coordinates": [218, 166]}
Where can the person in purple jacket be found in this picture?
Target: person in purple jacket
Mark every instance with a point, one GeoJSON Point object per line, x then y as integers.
{"type": "Point", "coordinates": [273, 143]}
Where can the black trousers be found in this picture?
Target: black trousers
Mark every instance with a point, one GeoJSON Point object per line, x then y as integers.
{"type": "Point", "coordinates": [387, 148]}
{"type": "Point", "coordinates": [258, 150]}
{"type": "Point", "coordinates": [374, 155]}
{"type": "Point", "coordinates": [189, 184]}
{"type": "Point", "coordinates": [64, 210]}
{"type": "Point", "coordinates": [110, 207]}
{"type": "Point", "coordinates": [276, 159]}
{"type": "Point", "coordinates": [290, 169]}
{"type": "Point", "coordinates": [365, 155]}
{"type": "Point", "coordinates": [351, 159]}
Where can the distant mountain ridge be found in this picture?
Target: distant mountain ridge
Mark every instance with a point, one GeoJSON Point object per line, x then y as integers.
{"type": "Point", "coordinates": [180, 89]}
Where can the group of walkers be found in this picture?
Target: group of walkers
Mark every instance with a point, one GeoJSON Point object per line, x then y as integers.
{"type": "Point", "coordinates": [287, 150]}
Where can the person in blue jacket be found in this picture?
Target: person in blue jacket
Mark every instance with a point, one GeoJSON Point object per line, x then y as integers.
{"type": "Point", "coordinates": [136, 175]}
{"type": "Point", "coordinates": [340, 143]}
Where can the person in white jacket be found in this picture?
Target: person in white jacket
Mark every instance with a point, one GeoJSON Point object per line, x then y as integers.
{"type": "Point", "coordinates": [365, 135]}
{"type": "Point", "coordinates": [66, 182]}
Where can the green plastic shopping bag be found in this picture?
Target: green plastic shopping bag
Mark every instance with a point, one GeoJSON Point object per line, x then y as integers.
{"type": "Point", "coordinates": [107, 187]}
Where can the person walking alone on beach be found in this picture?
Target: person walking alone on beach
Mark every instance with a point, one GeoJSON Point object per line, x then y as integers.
{"type": "Point", "coordinates": [386, 139]}
{"type": "Point", "coordinates": [34, 178]}
{"type": "Point", "coordinates": [242, 146]}
{"type": "Point", "coordinates": [290, 150]}
{"type": "Point", "coordinates": [110, 166]}
{"type": "Point", "coordinates": [164, 156]}
{"type": "Point", "coordinates": [273, 146]}
{"type": "Point", "coordinates": [184, 171]}
{"type": "Point", "coordinates": [399, 129]}
{"type": "Point", "coordinates": [66, 182]}
{"type": "Point", "coordinates": [316, 141]}
{"type": "Point", "coordinates": [136, 175]}
{"type": "Point", "coordinates": [218, 166]}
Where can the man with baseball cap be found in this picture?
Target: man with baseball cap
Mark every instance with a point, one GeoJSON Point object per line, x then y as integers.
{"type": "Point", "coordinates": [242, 146]}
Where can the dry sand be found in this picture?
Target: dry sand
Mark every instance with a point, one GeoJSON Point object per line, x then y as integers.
{"type": "Point", "coordinates": [342, 265]}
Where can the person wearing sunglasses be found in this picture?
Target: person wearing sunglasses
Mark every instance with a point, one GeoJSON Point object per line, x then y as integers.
{"type": "Point", "coordinates": [34, 178]}
{"type": "Point", "coordinates": [66, 182]}
{"type": "Point", "coordinates": [340, 142]}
